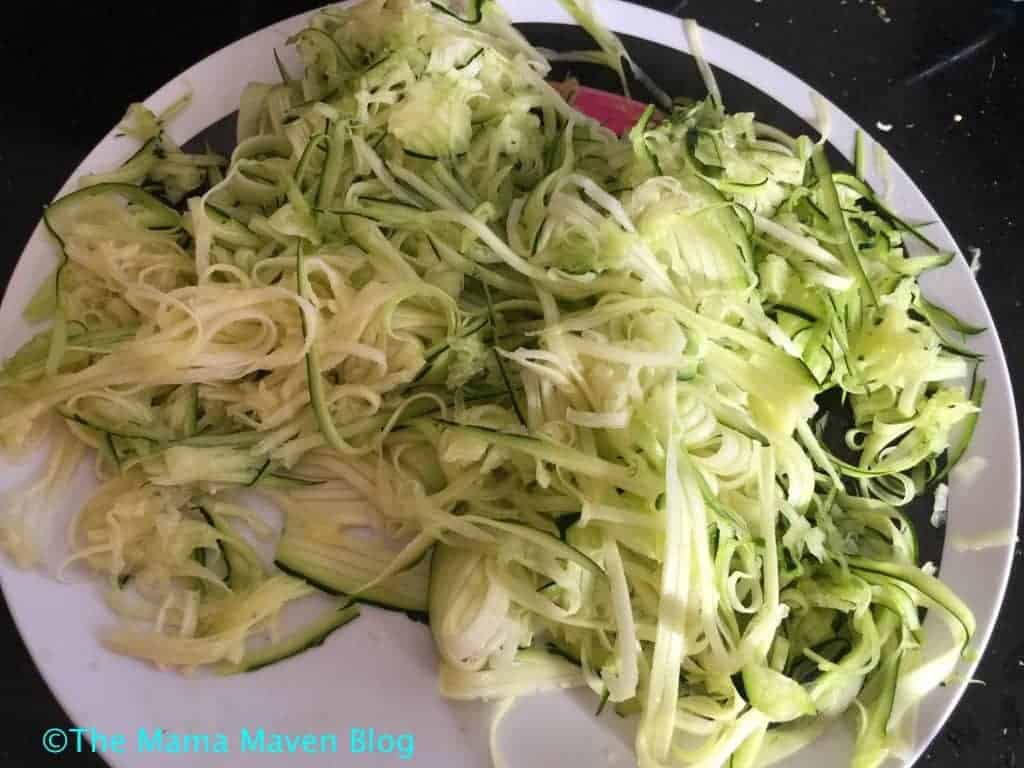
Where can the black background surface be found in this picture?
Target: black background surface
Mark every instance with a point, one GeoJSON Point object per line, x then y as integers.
{"type": "Point", "coordinates": [70, 69]}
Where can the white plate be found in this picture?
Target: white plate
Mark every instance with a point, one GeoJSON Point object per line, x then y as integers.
{"type": "Point", "coordinates": [381, 672]}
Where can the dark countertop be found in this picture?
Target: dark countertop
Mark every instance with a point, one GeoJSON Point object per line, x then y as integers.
{"type": "Point", "coordinates": [71, 68]}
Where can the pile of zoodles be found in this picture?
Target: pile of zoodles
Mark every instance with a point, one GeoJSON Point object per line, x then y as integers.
{"type": "Point", "coordinates": [552, 390]}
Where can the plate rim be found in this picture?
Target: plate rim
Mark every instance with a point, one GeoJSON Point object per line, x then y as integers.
{"type": "Point", "coordinates": [626, 18]}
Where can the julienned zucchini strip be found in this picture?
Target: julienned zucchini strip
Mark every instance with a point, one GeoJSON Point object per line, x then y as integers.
{"type": "Point", "coordinates": [311, 636]}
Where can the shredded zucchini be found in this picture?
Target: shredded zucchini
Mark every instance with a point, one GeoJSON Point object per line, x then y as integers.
{"type": "Point", "coordinates": [556, 389]}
